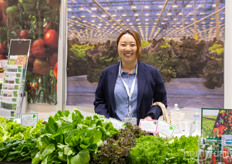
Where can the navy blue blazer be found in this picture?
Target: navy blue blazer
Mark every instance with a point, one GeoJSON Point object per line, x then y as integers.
{"type": "Point", "coordinates": [150, 89]}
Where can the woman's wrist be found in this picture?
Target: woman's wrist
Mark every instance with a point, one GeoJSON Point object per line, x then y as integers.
{"type": "Point", "coordinates": [152, 115]}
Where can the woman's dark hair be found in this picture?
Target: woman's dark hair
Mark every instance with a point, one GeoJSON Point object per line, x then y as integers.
{"type": "Point", "coordinates": [136, 37]}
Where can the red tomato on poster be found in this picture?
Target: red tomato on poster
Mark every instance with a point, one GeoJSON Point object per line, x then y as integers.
{"type": "Point", "coordinates": [51, 39]}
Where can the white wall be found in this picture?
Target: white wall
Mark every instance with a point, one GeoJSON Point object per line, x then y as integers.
{"type": "Point", "coordinates": [228, 56]}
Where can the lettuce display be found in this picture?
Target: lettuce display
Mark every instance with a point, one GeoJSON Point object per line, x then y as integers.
{"type": "Point", "coordinates": [151, 149]}
{"type": "Point", "coordinates": [68, 137]}
{"type": "Point", "coordinates": [65, 138]}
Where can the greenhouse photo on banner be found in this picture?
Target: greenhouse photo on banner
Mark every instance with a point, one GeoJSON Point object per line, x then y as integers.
{"type": "Point", "coordinates": [184, 40]}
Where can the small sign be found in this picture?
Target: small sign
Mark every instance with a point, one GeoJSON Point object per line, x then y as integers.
{"type": "Point", "coordinates": [131, 120]}
{"type": "Point", "coordinates": [149, 125]}
{"type": "Point", "coordinates": [211, 140]}
{"type": "Point", "coordinates": [166, 129]}
{"type": "Point", "coordinates": [227, 140]}
{"type": "Point", "coordinates": [29, 119]}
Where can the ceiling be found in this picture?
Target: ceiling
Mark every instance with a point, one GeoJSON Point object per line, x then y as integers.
{"type": "Point", "coordinates": [97, 21]}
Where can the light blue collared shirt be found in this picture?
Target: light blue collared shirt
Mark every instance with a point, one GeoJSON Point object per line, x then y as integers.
{"type": "Point", "coordinates": [121, 97]}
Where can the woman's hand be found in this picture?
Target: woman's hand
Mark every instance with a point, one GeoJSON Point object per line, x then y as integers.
{"type": "Point", "coordinates": [148, 118]}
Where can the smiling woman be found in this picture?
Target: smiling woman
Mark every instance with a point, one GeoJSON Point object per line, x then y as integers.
{"type": "Point", "coordinates": [127, 89]}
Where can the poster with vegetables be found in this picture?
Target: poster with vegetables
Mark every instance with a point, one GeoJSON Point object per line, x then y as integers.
{"type": "Point", "coordinates": [216, 122]}
{"type": "Point", "coordinates": [37, 20]}
{"type": "Point", "coordinates": [223, 123]}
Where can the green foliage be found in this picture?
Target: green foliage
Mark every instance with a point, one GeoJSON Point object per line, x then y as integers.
{"type": "Point", "coordinates": [218, 48]}
{"type": "Point", "coordinates": [12, 130]}
{"type": "Point", "coordinates": [213, 71]}
{"type": "Point", "coordinates": [33, 132]}
{"type": "Point", "coordinates": [103, 59]}
{"type": "Point", "coordinates": [145, 43]}
{"type": "Point", "coordinates": [165, 45]}
{"type": "Point", "coordinates": [99, 59]}
{"type": "Point", "coordinates": [30, 5]}
{"type": "Point", "coordinates": [3, 35]}
{"type": "Point", "coordinates": [17, 150]}
{"type": "Point", "coordinates": [68, 137]}
{"type": "Point", "coordinates": [9, 129]}
{"type": "Point", "coordinates": [208, 125]}
{"type": "Point", "coordinates": [18, 143]}
{"type": "Point", "coordinates": [79, 51]}
{"type": "Point", "coordinates": [150, 149]}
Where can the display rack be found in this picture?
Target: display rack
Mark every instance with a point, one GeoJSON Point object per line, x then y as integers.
{"type": "Point", "coordinates": [12, 91]}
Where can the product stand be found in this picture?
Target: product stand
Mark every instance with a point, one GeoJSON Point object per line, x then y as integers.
{"type": "Point", "coordinates": [12, 92]}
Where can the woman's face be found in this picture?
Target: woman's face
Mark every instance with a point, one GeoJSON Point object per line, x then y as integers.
{"type": "Point", "coordinates": [127, 49]}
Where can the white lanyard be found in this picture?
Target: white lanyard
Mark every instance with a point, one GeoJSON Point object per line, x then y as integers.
{"type": "Point", "coordinates": [127, 89]}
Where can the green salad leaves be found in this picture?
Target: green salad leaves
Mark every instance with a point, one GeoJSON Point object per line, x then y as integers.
{"type": "Point", "coordinates": [151, 149]}
{"type": "Point", "coordinates": [68, 137]}
{"type": "Point", "coordinates": [12, 130]}
{"type": "Point", "coordinates": [18, 143]}
{"type": "Point", "coordinates": [18, 150]}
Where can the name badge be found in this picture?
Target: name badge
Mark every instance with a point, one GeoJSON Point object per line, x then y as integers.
{"type": "Point", "coordinates": [131, 120]}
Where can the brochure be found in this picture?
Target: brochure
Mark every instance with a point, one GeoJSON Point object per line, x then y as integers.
{"type": "Point", "coordinates": [13, 68]}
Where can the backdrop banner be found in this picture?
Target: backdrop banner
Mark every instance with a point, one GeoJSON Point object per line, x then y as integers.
{"type": "Point", "coordinates": [184, 40]}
